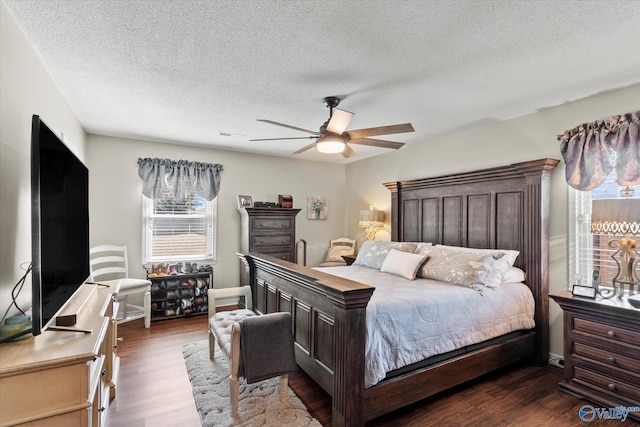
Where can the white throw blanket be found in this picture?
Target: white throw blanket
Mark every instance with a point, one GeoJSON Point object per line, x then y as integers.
{"type": "Point", "coordinates": [408, 321]}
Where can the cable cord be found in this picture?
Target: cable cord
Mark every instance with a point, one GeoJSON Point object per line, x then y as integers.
{"type": "Point", "coordinates": [15, 292]}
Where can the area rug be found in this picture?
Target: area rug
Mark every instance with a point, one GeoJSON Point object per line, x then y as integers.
{"type": "Point", "coordinates": [259, 402]}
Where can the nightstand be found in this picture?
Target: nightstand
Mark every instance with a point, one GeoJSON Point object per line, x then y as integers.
{"type": "Point", "coordinates": [601, 350]}
{"type": "Point", "coordinates": [349, 259]}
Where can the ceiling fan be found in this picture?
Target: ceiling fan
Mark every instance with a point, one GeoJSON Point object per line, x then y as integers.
{"type": "Point", "coordinates": [332, 137]}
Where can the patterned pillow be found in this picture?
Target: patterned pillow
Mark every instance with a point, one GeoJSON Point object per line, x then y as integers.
{"type": "Point", "coordinates": [403, 264]}
{"type": "Point", "coordinates": [504, 260]}
{"type": "Point", "coordinates": [458, 267]}
{"type": "Point", "coordinates": [373, 252]}
{"type": "Point", "coordinates": [424, 248]}
{"type": "Point", "coordinates": [335, 253]}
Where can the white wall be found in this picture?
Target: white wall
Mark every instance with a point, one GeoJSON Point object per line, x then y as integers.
{"type": "Point", "coordinates": [115, 196]}
{"type": "Point", "coordinates": [26, 88]}
{"type": "Point", "coordinates": [526, 138]}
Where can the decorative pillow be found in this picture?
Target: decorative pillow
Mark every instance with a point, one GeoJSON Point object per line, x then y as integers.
{"type": "Point", "coordinates": [373, 252]}
{"type": "Point", "coordinates": [505, 258]}
{"type": "Point", "coordinates": [514, 275]}
{"type": "Point", "coordinates": [403, 264]}
{"type": "Point", "coordinates": [458, 267]}
{"type": "Point", "coordinates": [335, 253]}
{"type": "Point", "coordinates": [511, 255]}
{"type": "Point", "coordinates": [423, 247]}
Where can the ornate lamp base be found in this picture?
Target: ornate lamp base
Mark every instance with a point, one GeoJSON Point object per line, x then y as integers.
{"type": "Point", "coordinates": [625, 258]}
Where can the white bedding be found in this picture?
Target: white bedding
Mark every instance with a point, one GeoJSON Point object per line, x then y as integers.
{"type": "Point", "coordinates": [410, 320]}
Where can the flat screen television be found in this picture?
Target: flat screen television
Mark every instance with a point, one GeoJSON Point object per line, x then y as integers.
{"type": "Point", "coordinates": [60, 224]}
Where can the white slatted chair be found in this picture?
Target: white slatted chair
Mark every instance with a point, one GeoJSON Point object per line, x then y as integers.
{"type": "Point", "coordinates": [109, 262]}
{"type": "Point", "coordinates": [224, 328]}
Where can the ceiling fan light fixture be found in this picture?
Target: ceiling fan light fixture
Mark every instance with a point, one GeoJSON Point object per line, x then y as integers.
{"type": "Point", "coordinates": [330, 144]}
{"type": "Point", "coordinates": [332, 137]}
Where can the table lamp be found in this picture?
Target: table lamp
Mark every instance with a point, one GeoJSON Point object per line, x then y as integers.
{"type": "Point", "coordinates": [372, 221]}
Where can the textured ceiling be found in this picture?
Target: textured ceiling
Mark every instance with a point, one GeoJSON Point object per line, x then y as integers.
{"type": "Point", "coordinates": [187, 71]}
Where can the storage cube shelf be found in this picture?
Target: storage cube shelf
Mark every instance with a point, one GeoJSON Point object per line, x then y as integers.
{"type": "Point", "coordinates": [179, 295]}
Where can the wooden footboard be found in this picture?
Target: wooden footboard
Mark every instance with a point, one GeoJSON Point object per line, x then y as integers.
{"type": "Point", "coordinates": [328, 327]}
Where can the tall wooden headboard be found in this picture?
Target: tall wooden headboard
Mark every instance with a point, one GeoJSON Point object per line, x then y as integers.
{"type": "Point", "coordinates": [504, 207]}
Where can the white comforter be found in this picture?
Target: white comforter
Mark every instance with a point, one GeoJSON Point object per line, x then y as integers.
{"type": "Point", "coordinates": [408, 321]}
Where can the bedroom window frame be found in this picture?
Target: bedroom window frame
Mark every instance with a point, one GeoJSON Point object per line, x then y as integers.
{"type": "Point", "coordinates": [588, 251]}
{"type": "Point", "coordinates": [178, 218]}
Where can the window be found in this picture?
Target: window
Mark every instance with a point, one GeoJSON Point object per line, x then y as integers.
{"type": "Point", "coordinates": [184, 231]}
{"type": "Point", "coordinates": [587, 251]}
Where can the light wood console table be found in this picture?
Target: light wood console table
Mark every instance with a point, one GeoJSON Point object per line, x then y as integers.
{"type": "Point", "coordinates": [61, 377]}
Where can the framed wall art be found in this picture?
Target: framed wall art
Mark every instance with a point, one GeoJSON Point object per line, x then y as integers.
{"type": "Point", "coordinates": [317, 207]}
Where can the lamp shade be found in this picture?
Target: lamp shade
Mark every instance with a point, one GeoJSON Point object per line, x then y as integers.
{"type": "Point", "coordinates": [372, 221]}
{"type": "Point", "coordinates": [615, 216]}
{"type": "Point", "coordinates": [367, 216]}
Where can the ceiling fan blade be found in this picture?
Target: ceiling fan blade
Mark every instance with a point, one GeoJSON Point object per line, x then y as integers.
{"type": "Point", "coordinates": [280, 139]}
{"type": "Point", "coordinates": [377, 143]}
{"type": "Point", "coordinates": [348, 151]}
{"type": "Point", "coordinates": [381, 130]}
{"type": "Point", "coordinates": [271, 122]}
{"type": "Point", "coordinates": [340, 119]}
{"type": "Point", "coordinates": [303, 149]}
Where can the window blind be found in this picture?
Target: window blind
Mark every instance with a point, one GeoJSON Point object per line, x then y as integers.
{"type": "Point", "coordinates": [178, 230]}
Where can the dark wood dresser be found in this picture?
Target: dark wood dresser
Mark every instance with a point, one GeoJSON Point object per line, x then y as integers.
{"type": "Point", "coordinates": [601, 350]}
{"type": "Point", "coordinates": [270, 231]}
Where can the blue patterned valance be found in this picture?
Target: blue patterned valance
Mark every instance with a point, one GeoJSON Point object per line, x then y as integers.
{"type": "Point", "coordinates": [180, 176]}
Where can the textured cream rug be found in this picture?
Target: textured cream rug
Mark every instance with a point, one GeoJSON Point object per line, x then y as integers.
{"type": "Point", "coordinates": [259, 402]}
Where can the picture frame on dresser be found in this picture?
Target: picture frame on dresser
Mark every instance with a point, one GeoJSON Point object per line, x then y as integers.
{"type": "Point", "coordinates": [244, 201]}
{"type": "Point", "coordinates": [285, 201]}
{"type": "Point", "coordinates": [584, 291]}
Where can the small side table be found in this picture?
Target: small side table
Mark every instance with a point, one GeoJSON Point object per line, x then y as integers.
{"type": "Point", "coordinates": [349, 259]}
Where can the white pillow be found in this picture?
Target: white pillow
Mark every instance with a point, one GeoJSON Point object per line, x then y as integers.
{"type": "Point", "coordinates": [514, 275]}
{"type": "Point", "coordinates": [373, 252]}
{"type": "Point", "coordinates": [403, 264]}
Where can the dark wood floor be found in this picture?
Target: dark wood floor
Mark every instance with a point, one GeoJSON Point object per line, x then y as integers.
{"type": "Point", "coordinates": [154, 390]}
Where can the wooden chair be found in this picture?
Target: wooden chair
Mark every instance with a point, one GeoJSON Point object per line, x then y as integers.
{"type": "Point", "coordinates": [109, 262]}
{"type": "Point", "coordinates": [225, 330]}
{"type": "Point", "coordinates": [337, 248]}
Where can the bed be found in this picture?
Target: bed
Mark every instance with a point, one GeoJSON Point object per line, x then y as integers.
{"type": "Point", "coordinates": [503, 207]}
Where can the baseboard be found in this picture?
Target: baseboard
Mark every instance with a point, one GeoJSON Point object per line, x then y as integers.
{"type": "Point", "coordinates": [556, 360]}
